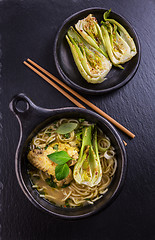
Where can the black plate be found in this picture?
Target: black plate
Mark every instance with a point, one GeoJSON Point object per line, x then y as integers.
{"type": "Point", "coordinates": [66, 67]}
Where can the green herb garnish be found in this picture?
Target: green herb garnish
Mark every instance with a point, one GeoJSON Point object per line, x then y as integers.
{"type": "Point", "coordinates": [46, 146]}
{"type": "Point", "coordinates": [67, 202]}
{"type": "Point", "coordinates": [81, 120]}
{"type": "Point", "coordinates": [60, 157]}
{"type": "Point", "coordinates": [61, 171]}
{"type": "Point", "coordinates": [66, 128]}
{"type": "Point", "coordinates": [67, 135]}
{"type": "Point", "coordinates": [50, 182]}
{"type": "Point", "coordinates": [65, 185]}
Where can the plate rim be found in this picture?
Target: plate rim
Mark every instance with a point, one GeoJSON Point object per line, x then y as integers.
{"type": "Point", "coordinates": [77, 87]}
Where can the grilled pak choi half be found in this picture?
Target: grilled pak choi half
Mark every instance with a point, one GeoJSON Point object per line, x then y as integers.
{"type": "Point", "coordinates": [88, 170]}
{"type": "Point", "coordinates": [89, 29]}
{"type": "Point", "coordinates": [92, 65]}
{"type": "Point", "coordinates": [118, 43]}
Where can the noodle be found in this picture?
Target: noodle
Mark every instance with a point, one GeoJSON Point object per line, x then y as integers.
{"type": "Point", "coordinates": [67, 196]}
{"type": "Point", "coordinates": [63, 139]}
{"type": "Point", "coordinates": [75, 194]}
{"type": "Point", "coordinates": [42, 176]}
{"type": "Point", "coordinates": [48, 196]}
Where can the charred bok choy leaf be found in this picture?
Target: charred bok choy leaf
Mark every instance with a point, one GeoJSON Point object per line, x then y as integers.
{"type": "Point", "coordinates": [118, 43]}
{"type": "Point", "coordinates": [88, 168]}
{"type": "Point", "coordinates": [89, 29]}
{"type": "Point", "coordinates": [92, 65]}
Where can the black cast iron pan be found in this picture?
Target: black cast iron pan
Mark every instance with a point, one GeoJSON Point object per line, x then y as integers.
{"type": "Point", "coordinates": [31, 120]}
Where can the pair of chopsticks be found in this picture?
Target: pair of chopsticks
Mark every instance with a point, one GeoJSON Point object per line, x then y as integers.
{"type": "Point", "coordinates": [43, 73]}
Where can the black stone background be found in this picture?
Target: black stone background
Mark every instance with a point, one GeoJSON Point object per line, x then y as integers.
{"type": "Point", "coordinates": [28, 29]}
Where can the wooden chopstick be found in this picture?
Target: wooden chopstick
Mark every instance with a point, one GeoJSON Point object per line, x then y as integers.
{"type": "Point", "coordinates": [76, 94]}
{"type": "Point", "coordinates": [56, 86]}
{"type": "Point", "coordinates": [91, 105]}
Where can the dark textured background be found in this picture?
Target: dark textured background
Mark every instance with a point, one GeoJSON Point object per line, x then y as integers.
{"type": "Point", "coordinates": [28, 29]}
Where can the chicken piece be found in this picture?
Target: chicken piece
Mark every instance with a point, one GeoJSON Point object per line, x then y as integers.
{"type": "Point", "coordinates": [71, 150]}
{"type": "Point", "coordinates": [39, 159]}
{"type": "Point", "coordinates": [73, 153]}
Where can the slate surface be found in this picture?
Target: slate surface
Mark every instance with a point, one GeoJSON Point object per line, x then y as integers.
{"type": "Point", "coordinates": [28, 29]}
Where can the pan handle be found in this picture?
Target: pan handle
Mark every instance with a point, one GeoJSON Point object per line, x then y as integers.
{"type": "Point", "coordinates": [27, 113]}
{"type": "Point", "coordinates": [27, 104]}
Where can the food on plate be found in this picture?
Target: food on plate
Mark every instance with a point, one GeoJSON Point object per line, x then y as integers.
{"type": "Point", "coordinates": [96, 48]}
{"type": "Point", "coordinates": [118, 43]}
{"type": "Point", "coordinates": [72, 162]}
{"type": "Point", "coordinates": [91, 63]}
{"type": "Point", "coordinates": [90, 30]}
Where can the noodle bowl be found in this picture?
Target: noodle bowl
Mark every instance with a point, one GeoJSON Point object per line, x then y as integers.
{"type": "Point", "coordinates": [71, 194]}
{"type": "Point", "coordinates": [32, 122]}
